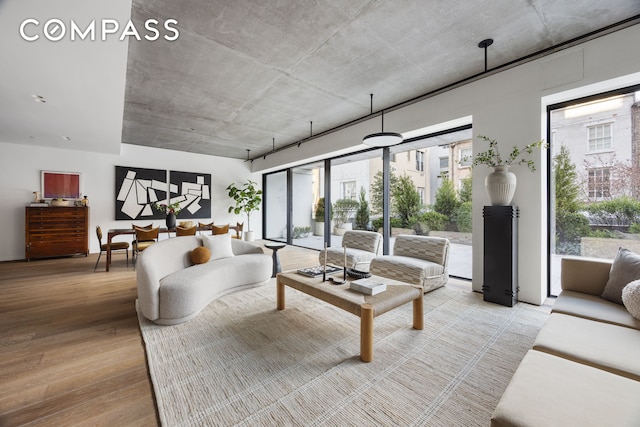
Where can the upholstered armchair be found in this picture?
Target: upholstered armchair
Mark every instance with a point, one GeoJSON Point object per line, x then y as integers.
{"type": "Point", "coordinates": [362, 247]}
{"type": "Point", "coordinates": [418, 260]}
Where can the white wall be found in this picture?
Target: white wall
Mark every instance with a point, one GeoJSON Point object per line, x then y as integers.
{"type": "Point", "coordinates": [507, 106]}
{"type": "Point", "coordinates": [20, 168]}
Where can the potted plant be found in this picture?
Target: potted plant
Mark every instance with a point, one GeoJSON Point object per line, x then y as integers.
{"type": "Point", "coordinates": [319, 217]}
{"type": "Point", "coordinates": [172, 210]}
{"type": "Point", "coordinates": [343, 210]}
{"type": "Point", "coordinates": [501, 183]}
{"type": "Point", "coordinates": [247, 199]}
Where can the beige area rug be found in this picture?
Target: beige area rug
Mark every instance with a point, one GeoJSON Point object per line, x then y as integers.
{"type": "Point", "coordinates": [242, 362]}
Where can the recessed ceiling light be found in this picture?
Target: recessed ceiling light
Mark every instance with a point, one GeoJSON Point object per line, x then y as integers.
{"type": "Point", "coordinates": [66, 138]}
{"type": "Point", "coordinates": [38, 98]}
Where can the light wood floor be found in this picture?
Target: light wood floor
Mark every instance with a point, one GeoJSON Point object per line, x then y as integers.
{"type": "Point", "coordinates": [71, 352]}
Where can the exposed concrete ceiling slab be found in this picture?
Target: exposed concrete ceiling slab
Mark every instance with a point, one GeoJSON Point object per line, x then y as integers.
{"type": "Point", "coordinates": [245, 72]}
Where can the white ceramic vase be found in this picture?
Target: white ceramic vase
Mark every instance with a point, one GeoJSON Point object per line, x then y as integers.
{"type": "Point", "coordinates": [500, 185]}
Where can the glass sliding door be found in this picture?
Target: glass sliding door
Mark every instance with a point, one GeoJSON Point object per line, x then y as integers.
{"type": "Point", "coordinates": [275, 217]}
{"type": "Point", "coordinates": [431, 193]}
{"type": "Point", "coordinates": [594, 178]}
{"type": "Point", "coordinates": [353, 193]}
{"type": "Point", "coordinates": [307, 229]}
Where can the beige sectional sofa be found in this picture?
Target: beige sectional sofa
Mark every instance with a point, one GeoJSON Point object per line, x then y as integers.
{"type": "Point", "coordinates": [584, 368]}
{"type": "Point", "coordinates": [172, 290]}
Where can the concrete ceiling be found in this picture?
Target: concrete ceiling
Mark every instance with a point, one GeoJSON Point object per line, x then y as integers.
{"type": "Point", "coordinates": [244, 72]}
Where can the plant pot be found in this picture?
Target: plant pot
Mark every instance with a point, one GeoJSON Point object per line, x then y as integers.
{"type": "Point", "coordinates": [248, 236]}
{"type": "Point", "coordinates": [339, 231]}
{"type": "Point", "coordinates": [500, 185]}
{"type": "Point", "coordinates": [319, 229]}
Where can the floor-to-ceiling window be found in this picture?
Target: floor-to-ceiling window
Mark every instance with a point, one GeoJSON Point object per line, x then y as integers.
{"type": "Point", "coordinates": [594, 178]}
{"type": "Point", "coordinates": [430, 194]}
{"type": "Point", "coordinates": [275, 216]}
{"type": "Point", "coordinates": [308, 205]}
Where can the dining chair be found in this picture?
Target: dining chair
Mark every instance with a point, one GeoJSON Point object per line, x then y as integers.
{"type": "Point", "coordinates": [219, 229]}
{"type": "Point", "coordinates": [186, 231]}
{"type": "Point", "coordinates": [114, 247]}
{"type": "Point", "coordinates": [203, 227]}
{"type": "Point", "coordinates": [144, 238]}
{"type": "Point", "coordinates": [239, 226]}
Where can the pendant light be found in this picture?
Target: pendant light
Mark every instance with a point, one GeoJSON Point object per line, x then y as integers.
{"type": "Point", "coordinates": [381, 139]}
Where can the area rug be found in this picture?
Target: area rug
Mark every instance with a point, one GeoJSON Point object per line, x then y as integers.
{"type": "Point", "coordinates": [241, 362]}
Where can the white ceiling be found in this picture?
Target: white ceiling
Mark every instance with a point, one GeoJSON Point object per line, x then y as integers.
{"type": "Point", "coordinates": [243, 73]}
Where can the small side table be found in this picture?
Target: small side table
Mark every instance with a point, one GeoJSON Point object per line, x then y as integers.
{"type": "Point", "coordinates": [276, 260]}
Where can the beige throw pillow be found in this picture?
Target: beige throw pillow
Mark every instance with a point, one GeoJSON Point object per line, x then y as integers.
{"type": "Point", "coordinates": [219, 245]}
{"type": "Point", "coordinates": [624, 270]}
{"type": "Point", "coordinates": [631, 298]}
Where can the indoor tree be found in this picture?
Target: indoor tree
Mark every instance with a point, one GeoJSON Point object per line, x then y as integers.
{"type": "Point", "coordinates": [247, 199]}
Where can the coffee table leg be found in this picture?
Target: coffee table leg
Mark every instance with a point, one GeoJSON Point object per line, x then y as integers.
{"type": "Point", "coordinates": [279, 295]}
{"type": "Point", "coordinates": [418, 313]}
{"type": "Point", "coordinates": [366, 333]}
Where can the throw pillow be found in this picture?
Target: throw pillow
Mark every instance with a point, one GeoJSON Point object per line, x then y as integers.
{"type": "Point", "coordinates": [219, 245]}
{"type": "Point", "coordinates": [200, 255]}
{"type": "Point", "coordinates": [624, 270]}
{"type": "Point", "coordinates": [631, 298]}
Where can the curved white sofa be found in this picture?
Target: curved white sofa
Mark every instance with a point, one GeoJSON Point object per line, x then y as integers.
{"type": "Point", "coordinates": [171, 290]}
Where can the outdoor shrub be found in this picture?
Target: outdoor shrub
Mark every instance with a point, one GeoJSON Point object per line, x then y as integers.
{"type": "Point", "coordinates": [362, 214]}
{"type": "Point", "coordinates": [300, 232]}
{"type": "Point", "coordinates": [634, 228]}
{"type": "Point", "coordinates": [619, 211]}
{"type": "Point", "coordinates": [464, 218]}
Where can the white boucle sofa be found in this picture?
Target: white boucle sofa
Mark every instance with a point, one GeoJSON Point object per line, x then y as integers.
{"type": "Point", "coordinates": [584, 368]}
{"type": "Point", "coordinates": [171, 290]}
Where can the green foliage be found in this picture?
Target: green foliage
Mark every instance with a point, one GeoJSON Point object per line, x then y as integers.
{"type": "Point", "coordinates": [173, 208]}
{"type": "Point", "coordinates": [247, 199]}
{"type": "Point", "coordinates": [634, 228]}
{"type": "Point", "coordinates": [603, 234]}
{"type": "Point", "coordinates": [320, 211]}
{"type": "Point", "coordinates": [343, 210]}
{"type": "Point", "coordinates": [428, 221]}
{"type": "Point", "coordinates": [621, 210]}
{"type": "Point", "coordinates": [376, 192]}
{"type": "Point", "coordinates": [447, 202]}
{"type": "Point", "coordinates": [466, 191]}
{"type": "Point", "coordinates": [300, 232]}
{"type": "Point", "coordinates": [395, 223]}
{"type": "Point", "coordinates": [464, 218]}
{"type": "Point", "coordinates": [492, 156]}
{"type": "Point", "coordinates": [362, 214]}
{"type": "Point", "coordinates": [406, 200]}
{"type": "Point", "coordinates": [570, 227]}
{"type": "Point", "coordinates": [567, 182]}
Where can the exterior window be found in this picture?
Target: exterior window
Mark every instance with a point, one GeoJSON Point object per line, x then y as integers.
{"type": "Point", "coordinates": [421, 192]}
{"type": "Point", "coordinates": [598, 183]}
{"type": "Point", "coordinates": [420, 161]}
{"type": "Point", "coordinates": [349, 190]}
{"type": "Point", "coordinates": [392, 157]}
{"type": "Point", "coordinates": [466, 157]}
{"type": "Point", "coordinates": [600, 137]}
{"type": "Point", "coordinates": [444, 163]}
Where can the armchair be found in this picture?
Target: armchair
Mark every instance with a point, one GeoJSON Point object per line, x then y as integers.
{"type": "Point", "coordinates": [362, 247]}
{"type": "Point", "coordinates": [418, 260]}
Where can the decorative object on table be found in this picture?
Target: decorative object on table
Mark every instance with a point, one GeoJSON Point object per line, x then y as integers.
{"type": "Point", "coordinates": [36, 196]}
{"type": "Point", "coordinates": [172, 210]}
{"type": "Point", "coordinates": [61, 203]}
{"type": "Point", "coordinates": [501, 183]}
{"type": "Point", "coordinates": [193, 191]}
{"type": "Point", "coordinates": [318, 271]}
{"type": "Point", "coordinates": [85, 201]}
{"type": "Point", "coordinates": [61, 185]}
{"type": "Point", "coordinates": [368, 286]}
{"type": "Point", "coordinates": [247, 199]}
{"type": "Point", "coordinates": [357, 274]}
{"type": "Point", "coordinates": [137, 189]}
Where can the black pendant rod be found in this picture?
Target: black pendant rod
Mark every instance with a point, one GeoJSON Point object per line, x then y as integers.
{"type": "Point", "coordinates": [484, 44]}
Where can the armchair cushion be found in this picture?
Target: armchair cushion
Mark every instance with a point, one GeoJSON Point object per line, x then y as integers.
{"type": "Point", "coordinates": [625, 269]}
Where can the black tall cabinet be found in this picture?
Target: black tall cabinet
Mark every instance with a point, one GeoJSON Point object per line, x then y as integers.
{"type": "Point", "coordinates": [500, 279]}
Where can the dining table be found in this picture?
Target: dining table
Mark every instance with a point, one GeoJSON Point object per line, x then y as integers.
{"type": "Point", "coordinates": [113, 232]}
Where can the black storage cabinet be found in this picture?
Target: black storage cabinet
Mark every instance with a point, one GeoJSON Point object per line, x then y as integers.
{"type": "Point", "coordinates": [500, 279]}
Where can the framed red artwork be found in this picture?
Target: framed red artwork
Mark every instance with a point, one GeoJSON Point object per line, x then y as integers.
{"type": "Point", "coordinates": [61, 185]}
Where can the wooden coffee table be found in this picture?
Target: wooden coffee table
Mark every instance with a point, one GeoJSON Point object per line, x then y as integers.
{"type": "Point", "coordinates": [364, 306]}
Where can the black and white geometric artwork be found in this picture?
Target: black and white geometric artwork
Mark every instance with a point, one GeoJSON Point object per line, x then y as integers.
{"type": "Point", "coordinates": [137, 189]}
{"type": "Point", "coordinates": [193, 192]}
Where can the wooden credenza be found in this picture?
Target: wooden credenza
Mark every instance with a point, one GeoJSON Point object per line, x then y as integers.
{"type": "Point", "coordinates": [56, 231]}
